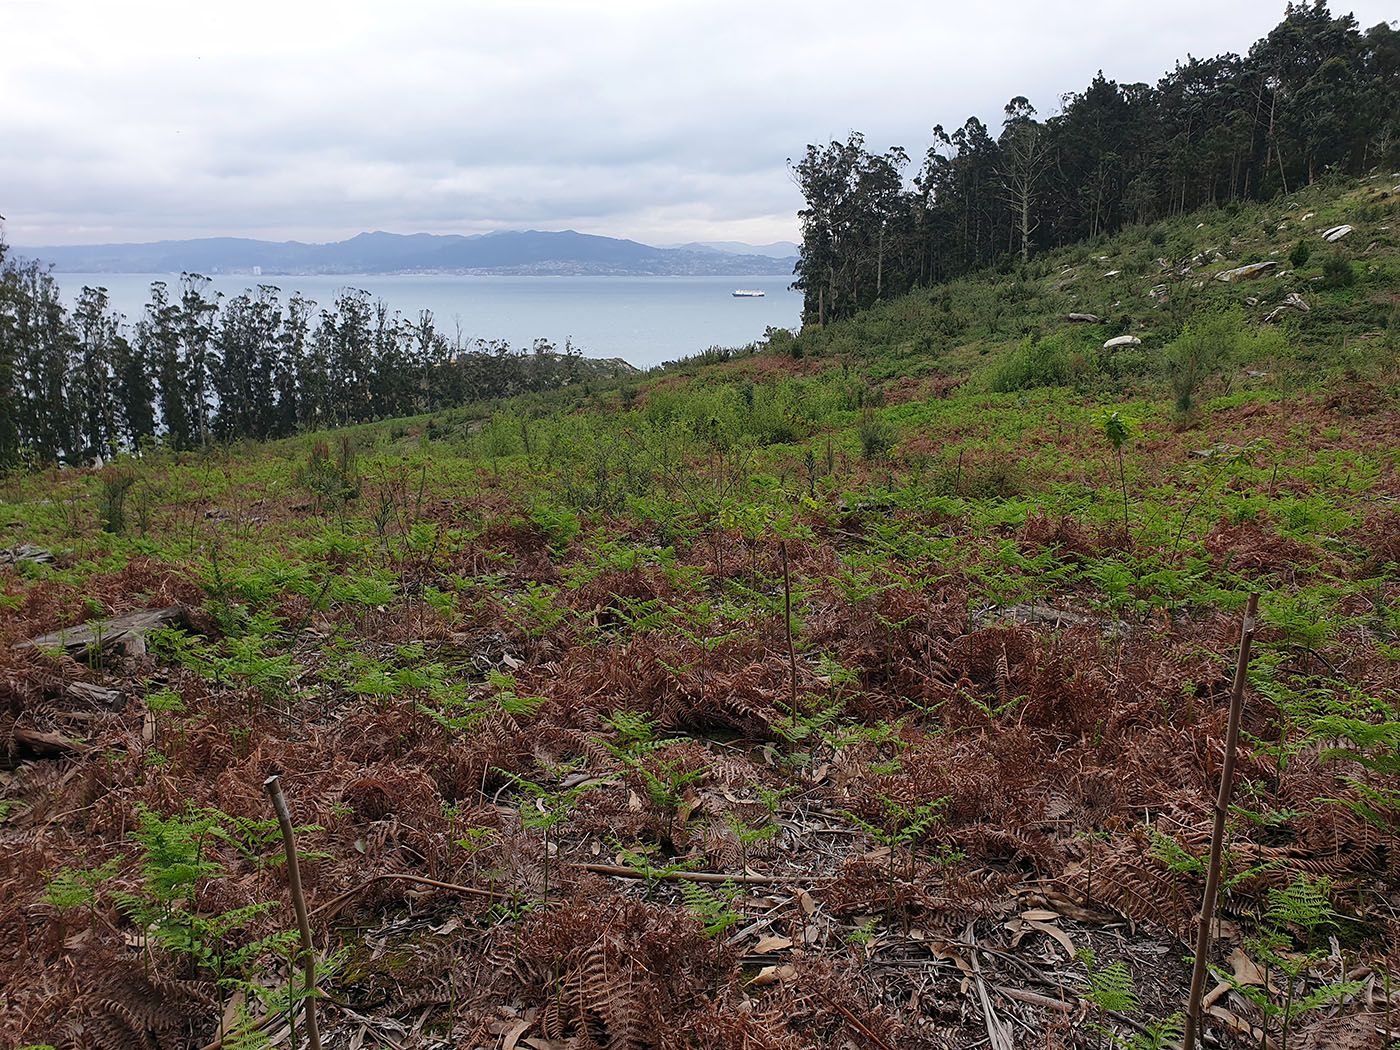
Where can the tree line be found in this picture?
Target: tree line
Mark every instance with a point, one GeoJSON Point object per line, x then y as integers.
{"type": "Point", "coordinates": [1317, 95]}
{"type": "Point", "coordinates": [196, 367]}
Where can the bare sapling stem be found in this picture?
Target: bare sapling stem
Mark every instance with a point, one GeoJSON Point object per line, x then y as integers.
{"type": "Point", "coordinates": [273, 786]}
{"type": "Point", "coordinates": [1123, 484]}
{"type": "Point", "coordinates": [787, 619]}
{"type": "Point", "coordinates": [1217, 835]}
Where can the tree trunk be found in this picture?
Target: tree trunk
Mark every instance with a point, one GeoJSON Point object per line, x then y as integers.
{"type": "Point", "coordinates": [1025, 224]}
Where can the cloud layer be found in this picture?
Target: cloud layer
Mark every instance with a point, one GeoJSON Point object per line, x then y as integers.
{"type": "Point", "coordinates": [664, 120]}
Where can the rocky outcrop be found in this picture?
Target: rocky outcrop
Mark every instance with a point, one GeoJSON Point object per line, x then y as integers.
{"type": "Point", "coordinates": [1246, 272]}
{"type": "Point", "coordinates": [1119, 341]}
{"type": "Point", "coordinates": [1293, 301]}
{"type": "Point", "coordinates": [1083, 318]}
{"type": "Point", "coordinates": [1336, 233]}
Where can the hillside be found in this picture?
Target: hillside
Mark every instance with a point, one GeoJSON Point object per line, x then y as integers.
{"type": "Point", "coordinates": [508, 252]}
{"type": "Point", "coordinates": [867, 689]}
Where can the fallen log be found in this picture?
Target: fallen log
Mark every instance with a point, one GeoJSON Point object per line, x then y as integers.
{"type": "Point", "coordinates": [125, 632]}
{"type": "Point", "coordinates": [43, 744]}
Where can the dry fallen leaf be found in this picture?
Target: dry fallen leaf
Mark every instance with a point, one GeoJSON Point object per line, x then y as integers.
{"type": "Point", "coordinates": [1055, 932]}
{"type": "Point", "coordinates": [1247, 971]}
{"type": "Point", "coordinates": [514, 1034]}
{"type": "Point", "coordinates": [771, 943]}
{"type": "Point", "coordinates": [774, 974]}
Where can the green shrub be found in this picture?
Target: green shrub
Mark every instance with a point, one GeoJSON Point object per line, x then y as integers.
{"type": "Point", "coordinates": [1337, 271]}
{"type": "Point", "coordinates": [876, 438]}
{"type": "Point", "coordinates": [1300, 254]}
{"type": "Point", "coordinates": [1206, 345]}
{"type": "Point", "coordinates": [1060, 359]}
{"type": "Point", "coordinates": [782, 341]}
{"type": "Point", "coordinates": [994, 478]}
{"type": "Point", "coordinates": [330, 480]}
{"type": "Point", "coordinates": [116, 483]}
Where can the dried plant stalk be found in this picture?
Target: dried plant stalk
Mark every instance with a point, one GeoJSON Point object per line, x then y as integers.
{"type": "Point", "coordinates": [273, 786]}
{"type": "Point", "coordinates": [1217, 835]}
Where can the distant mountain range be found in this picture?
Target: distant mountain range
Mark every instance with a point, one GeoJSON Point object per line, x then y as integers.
{"type": "Point", "coordinates": [520, 252]}
{"type": "Point", "coordinates": [776, 250]}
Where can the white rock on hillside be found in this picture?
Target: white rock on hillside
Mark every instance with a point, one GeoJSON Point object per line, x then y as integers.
{"type": "Point", "coordinates": [1244, 273]}
{"type": "Point", "coordinates": [1293, 301]}
{"type": "Point", "coordinates": [1336, 233]}
{"type": "Point", "coordinates": [1121, 341]}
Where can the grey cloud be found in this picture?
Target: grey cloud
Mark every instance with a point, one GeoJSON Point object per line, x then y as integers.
{"type": "Point", "coordinates": [658, 120]}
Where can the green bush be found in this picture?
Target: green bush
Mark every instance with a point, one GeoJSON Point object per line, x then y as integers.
{"type": "Point", "coordinates": [1337, 271]}
{"type": "Point", "coordinates": [116, 483]}
{"type": "Point", "coordinates": [782, 341]}
{"type": "Point", "coordinates": [876, 438]}
{"type": "Point", "coordinates": [1207, 344]}
{"type": "Point", "coordinates": [1060, 359]}
{"type": "Point", "coordinates": [987, 479]}
{"type": "Point", "coordinates": [330, 480]}
{"type": "Point", "coordinates": [1299, 255]}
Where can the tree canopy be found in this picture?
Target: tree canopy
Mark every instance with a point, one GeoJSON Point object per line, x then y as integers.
{"type": "Point", "coordinates": [196, 367]}
{"type": "Point", "coordinates": [1317, 95]}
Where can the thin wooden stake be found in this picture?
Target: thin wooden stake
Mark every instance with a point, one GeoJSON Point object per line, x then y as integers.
{"type": "Point", "coordinates": [1217, 835]}
{"type": "Point", "coordinates": [787, 618]}
{"type": "Point", "coordinates": [273, 786]}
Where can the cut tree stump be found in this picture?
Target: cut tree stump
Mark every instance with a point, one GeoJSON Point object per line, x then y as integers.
{"type": "Point", "coordinates": [1037, 615]}
{"type": "Point", "coordinates": [1045, 614]}
{"type": "Point", "coordinates": [25, 552]}
{"type": "Point", "coordinates": [120, 632]}
{"type": "Point", "coordinates": [98, 697]}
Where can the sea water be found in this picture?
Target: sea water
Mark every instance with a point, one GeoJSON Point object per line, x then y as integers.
{"type": "Point", "coordinates": [643, 320]}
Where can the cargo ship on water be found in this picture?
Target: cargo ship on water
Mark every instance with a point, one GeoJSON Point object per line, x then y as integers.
{"type": "Point", "coordinates": [747, 293]}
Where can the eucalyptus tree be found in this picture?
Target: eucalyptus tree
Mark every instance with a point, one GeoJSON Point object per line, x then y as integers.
{"type": "Point", "coordinates": [198, 309]}
{"type": "Point", "coordinates": [10, 402]}
{"type": "Point", "coordinates": [1025, 155]}
{"type": "Point", "coordinates": [158, 337]}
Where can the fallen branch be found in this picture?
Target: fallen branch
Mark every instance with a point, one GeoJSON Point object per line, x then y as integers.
{"type": "Point", "coordinates": [688, 876]}
{"type": "Point", "coordinates": [334, 903]}
{"type": "Point", "coordinates": [855, 1022]}
{"type": "Point", "coordinates": [1000, 1038]}
{"type": "Point", "coordinates": [1021, 995]}
{"type": "Point", "coordinates": [127, 632]}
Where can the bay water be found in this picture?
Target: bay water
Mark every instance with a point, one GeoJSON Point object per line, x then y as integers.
{"type": "Point", "coordinates": [643, 320]}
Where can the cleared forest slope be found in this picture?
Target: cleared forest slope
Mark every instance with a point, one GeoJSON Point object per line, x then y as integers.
{"type": "Point", "coordinates": [846, 692]}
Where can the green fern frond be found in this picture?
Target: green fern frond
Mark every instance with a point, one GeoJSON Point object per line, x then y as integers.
{"type": "Point", "coordinates": [1111, 988]}
{"type": "Point", "coordinates": [1304, 903]}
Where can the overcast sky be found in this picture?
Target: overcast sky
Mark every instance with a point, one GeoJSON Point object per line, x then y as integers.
{"type": "Point", "coordinates": [663, 121]}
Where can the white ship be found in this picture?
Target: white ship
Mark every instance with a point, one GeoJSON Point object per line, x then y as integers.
{"type": "Point", "coordinates": [747, 293]}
